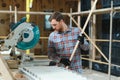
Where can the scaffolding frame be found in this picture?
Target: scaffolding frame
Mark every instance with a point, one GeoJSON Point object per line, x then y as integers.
{"type": "Point", "coordinates": [79, 14]}
{"type": "Point", "coordinates": [102, 11]}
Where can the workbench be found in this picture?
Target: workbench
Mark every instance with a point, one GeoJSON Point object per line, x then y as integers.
{"type": "Point", "coordinates": [45, 72]}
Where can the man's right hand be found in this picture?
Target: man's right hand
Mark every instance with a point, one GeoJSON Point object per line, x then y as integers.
{"type": "Point", "coordinates": [65, 61]}
{"type": "Point", "coordinates": [62, 63]}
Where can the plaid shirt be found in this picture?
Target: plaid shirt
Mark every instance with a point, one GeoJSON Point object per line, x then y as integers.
{"type": "Point", "coordinates": [62, 44]}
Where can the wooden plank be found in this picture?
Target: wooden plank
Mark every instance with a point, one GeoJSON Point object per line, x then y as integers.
{"type": "Point", "coordinates": [4, 70]}
{"type": "Point", "coordinates": [97, 11]}
{"type": "Point", "coordinates": [101, 62]}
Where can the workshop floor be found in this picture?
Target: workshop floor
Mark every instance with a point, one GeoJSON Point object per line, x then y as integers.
{"type": "Point", "coordinates": [95, 75]}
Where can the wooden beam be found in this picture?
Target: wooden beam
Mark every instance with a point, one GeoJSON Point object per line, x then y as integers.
{"type": "Point", "coordinates": [101, 62]}
{"type": "Point", "coordinates": [97, 11]}
{"type": "Point", "coordinates": [98, 40]}
{"type": "Point", "coordinates": [4, 70]}
{"type": "Point", "coordinates": [90, 40]}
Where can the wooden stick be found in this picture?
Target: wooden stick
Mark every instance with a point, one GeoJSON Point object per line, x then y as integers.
{"type": "Point", "coordinates": [73, 53]}
{"type": "Point", "coordinates": [88, 18]}
{"type": "Point", "coordinates": [84, 27]}
{"type": "Point", "coordinates": [91, 41]}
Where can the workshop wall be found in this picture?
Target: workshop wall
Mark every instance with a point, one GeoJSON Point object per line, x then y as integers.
{"type": "Point", "coordinates": [4, 18]}
{"type": "Point", "coordinates": [49, 5]}
{"type": "Point", "coordinates": [40, 6]}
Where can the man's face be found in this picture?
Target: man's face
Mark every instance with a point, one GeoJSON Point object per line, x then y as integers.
{"type": "Point", "coordinates": [57, 26]}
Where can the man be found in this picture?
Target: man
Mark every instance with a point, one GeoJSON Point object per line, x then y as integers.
{"type": "Point", "coordinates": [62, 41]}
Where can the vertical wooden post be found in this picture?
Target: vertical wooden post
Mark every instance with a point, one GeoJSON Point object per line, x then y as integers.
{"type": "Point", "coordinates": [70, 17]}
{"type": "Point", "coordinates": [110, 42]}
{"type": "Point", "coordinates": [79, 10]}
{"type": "Point", "coordinates": [93, 35]}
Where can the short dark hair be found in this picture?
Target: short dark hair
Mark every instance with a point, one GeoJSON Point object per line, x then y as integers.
{"type": "Point", "coordinates": [56, 15]}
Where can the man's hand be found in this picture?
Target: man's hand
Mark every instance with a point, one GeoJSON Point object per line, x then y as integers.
{"type": "Point", "coordinates": [52, 63]}
{"type": "Point", "coordinates": [65, 61]}
{"type": "Point", "coordinates": [81, 38]}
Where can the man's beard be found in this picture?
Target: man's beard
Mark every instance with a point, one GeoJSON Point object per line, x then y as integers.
{"type": "Point", "coordinates": [59, 30]}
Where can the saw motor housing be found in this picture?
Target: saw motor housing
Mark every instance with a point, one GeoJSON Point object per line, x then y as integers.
{"type": "Point", "coordinates": [23, 35]}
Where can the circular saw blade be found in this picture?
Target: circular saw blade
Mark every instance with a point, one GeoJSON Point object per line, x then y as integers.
{"type": "Point", "coordinates": [28, 45]}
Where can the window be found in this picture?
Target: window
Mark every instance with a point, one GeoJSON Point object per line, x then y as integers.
{"type": "Point", "coordinates": [47, 25]}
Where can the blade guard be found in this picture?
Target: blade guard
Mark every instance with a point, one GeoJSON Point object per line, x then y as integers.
{"type": "Point", "coordinates": [28, 45]}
